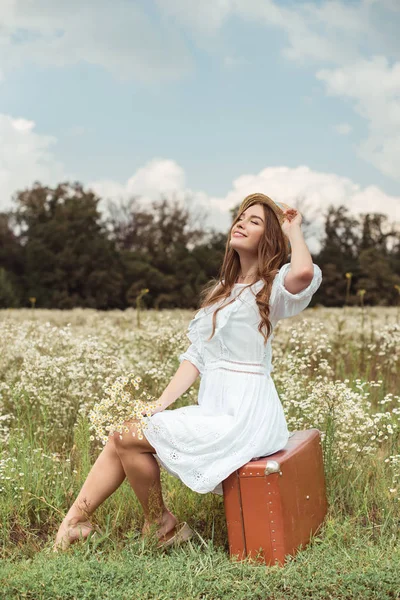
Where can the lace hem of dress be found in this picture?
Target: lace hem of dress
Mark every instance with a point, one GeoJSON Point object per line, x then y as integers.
{"type": "Point", "coordinates": [196, 478]}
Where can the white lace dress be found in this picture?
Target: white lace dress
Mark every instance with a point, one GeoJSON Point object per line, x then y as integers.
{"type": "Point", "coordinates": [239, 415]}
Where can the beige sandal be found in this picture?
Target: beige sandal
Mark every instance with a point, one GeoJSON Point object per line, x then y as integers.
{"type": "Point", "coordinates": [183, 533]}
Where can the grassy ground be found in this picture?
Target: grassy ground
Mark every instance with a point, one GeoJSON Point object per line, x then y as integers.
{"type": "Point", "coordinates": [338, 372]}
{"type": "Point", "coordinates": [347, 561]}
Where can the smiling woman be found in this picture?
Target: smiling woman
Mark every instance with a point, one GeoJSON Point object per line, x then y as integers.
{"type": "Point", "coordinates": [239, 414]}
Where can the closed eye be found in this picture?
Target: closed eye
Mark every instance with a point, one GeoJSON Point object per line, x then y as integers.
{"type": "Point", "coordinates": [255, 222]}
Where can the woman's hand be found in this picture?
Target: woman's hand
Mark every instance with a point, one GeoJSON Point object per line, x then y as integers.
{"type": "Point", "coordinates": [293, 219]}
{"type": "Point", "coordinates": [152, 412]}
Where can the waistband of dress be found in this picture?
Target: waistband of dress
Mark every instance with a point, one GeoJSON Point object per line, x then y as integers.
{"type": "Point", "coordinates": [241, 367]}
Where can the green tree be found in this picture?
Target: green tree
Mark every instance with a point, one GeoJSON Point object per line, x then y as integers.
{"type": "Point", "coordinates": [377, 278]}
{"type": "Point", "coordinates": [8, 294]}
{"type": "Point", "coordinates": [364, 246]}
{"type": "Point", "coordinates": [69, 260]}
{"type": "Point", "coordinates": [156, 245]}
{"type": "Point", "coordinates": [11, 258]}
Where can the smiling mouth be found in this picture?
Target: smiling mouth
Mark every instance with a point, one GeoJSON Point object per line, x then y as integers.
{"type": "Point", "coordinates": [238, 233]}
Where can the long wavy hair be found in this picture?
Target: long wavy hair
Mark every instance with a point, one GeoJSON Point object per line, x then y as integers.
{"type": "Point", "coordinates": [273, 252]}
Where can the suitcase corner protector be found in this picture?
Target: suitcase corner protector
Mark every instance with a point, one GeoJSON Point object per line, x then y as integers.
{"type": "Point", "coordinates": [272, 466]}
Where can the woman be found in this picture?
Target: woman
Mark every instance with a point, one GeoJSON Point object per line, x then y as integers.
{"type": "Point", "coordinates": [239, 415]}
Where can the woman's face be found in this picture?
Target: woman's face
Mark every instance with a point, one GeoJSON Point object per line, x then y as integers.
{"type": "Point", "coordinates": [251, 224]}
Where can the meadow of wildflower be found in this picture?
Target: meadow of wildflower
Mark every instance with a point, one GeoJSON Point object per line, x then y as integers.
{"type": "Point", "coordinates": [334, 369]}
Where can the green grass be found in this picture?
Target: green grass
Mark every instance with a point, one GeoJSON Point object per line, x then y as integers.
{"type": "Point", "coordinates": [343, 562]}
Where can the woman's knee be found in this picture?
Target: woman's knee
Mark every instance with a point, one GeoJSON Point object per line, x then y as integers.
{"type": "Point", "coordinates": [126, 440]}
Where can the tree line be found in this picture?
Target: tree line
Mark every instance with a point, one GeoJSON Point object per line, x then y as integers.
{"type": "Point", "coordinates": [58, 251]}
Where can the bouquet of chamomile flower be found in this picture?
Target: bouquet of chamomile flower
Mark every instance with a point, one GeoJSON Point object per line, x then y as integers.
{"type": "Point", "coordinates": [121, 403]}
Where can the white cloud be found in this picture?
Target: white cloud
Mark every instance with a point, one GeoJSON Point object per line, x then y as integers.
{"type": "Point", "coordinates": [329, 31]}
{"type": "Point", "coordinates": [351, 40]}
{"type": "Point", "coordinates": [25, 157]}
{"type": "Point", "coordinates": [158, 178]}
{"type": "Point", "coordinates": [311, 191]}
{"type": "Point", "coordinates": [345, 41]}
{"type": "Point", "coordinates": [323, 31]}
{"type": "Point", "coordinates": [118, 36]}
{"type": "Point", "coordinates": [343, 128]}
{"type": "Point", "coordinates": [206, 16]}
{"type": "Point", "coordinates": [154, 178]}
{"type": "Point", "coordinates": [374, 87]}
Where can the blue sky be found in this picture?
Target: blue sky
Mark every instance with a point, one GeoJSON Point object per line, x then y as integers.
{"type": "Point", "coordinates": [218, 99]}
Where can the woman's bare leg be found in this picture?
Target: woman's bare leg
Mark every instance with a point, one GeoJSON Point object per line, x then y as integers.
{"type": "Point", "coordinates": [104, 478]}
{"type": "Point", "coordinates": [143, 473]}
{"type": "Point", "coordinates": [127, 457]}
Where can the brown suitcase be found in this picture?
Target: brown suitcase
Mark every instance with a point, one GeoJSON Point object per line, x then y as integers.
{"type": "Point", "coordinates": [276, 503]}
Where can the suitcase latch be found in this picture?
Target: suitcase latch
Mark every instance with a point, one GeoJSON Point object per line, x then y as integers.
{"type": "Point", "coordinates": [272, 466]}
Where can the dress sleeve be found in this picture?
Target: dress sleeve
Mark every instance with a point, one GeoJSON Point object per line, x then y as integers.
{"type": "Point", "coordinates": [193, 356]}
{"type": "Point", "coordinates": [285, 304]}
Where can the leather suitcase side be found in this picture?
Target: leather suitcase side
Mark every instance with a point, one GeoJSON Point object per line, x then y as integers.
{"type": "Point", "coordinates": [276, 503]}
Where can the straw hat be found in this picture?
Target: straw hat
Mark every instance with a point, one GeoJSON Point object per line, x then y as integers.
{"type": "Point", "coordinates": [277, 207]}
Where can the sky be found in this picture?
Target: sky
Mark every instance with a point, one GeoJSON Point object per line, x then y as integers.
{"type": "Point", "coordinates": [204, 101]}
